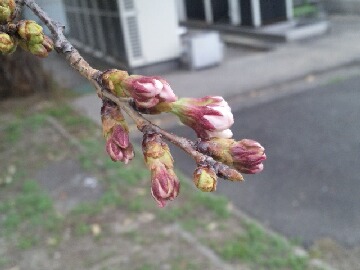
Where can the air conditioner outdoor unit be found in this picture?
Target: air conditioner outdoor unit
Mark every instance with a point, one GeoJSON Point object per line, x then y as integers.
{"type": "Point", "coordinates": [202, 49]}
{"type": "Point", "coordinates": [150, 31]}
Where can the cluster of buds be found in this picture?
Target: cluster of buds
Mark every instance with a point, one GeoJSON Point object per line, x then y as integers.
{"type": "Point", "coordinates": [116, 133]}
{"type": "Point", "coordinates": [165, 185]}
{"type": "Point", "coordinates": [33, 38]}
{"type": "Point", "coordinates": [8, 44]}
{"type": "Point", "coordinates": [246, 155]}
{"type": "Point", "coordinates": [209, 116]}
{"type": "Point", "coordinates": [7, 8]}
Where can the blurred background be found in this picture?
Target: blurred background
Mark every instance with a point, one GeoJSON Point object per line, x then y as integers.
{"type": "Point", "coordinates": [290, 71]}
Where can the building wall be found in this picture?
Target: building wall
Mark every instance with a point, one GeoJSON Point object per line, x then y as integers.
{"type": "Point", "coordinates": [342, 6]}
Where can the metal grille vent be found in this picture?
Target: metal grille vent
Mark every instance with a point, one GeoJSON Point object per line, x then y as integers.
{"type": "Point", "coordinates": [129, 4]}
{"type": "Point", "coordinates": [134, 36]}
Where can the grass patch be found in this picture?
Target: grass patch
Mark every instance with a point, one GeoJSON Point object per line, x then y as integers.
{"type": "Point", "coordinates": [13, 132]}
{"type": "Point", "coordinates": [26, 213]}
{"type": "Point", "coordinates": [215, 203]}
{"type": "Point", "coordinates": [261, 250]}
{"type": "Point", "coordinates": [305, 10]}
{"type": "Point", "coordinates": [147, 267]}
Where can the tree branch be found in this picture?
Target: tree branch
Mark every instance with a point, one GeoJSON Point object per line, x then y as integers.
{"type": "Point", "coordinates": [63, 46]}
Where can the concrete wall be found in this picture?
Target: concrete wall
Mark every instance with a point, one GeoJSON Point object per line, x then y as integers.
{"type": "Point", "coordinates": [342, 6]}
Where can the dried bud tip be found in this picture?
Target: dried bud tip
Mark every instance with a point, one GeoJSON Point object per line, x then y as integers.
{"type": "Point", "coordinates": [229, 174]}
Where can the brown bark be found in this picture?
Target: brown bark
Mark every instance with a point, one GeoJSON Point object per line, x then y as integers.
{"type": "Point", "coordinates": [22, 74]}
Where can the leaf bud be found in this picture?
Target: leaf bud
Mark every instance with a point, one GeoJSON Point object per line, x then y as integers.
{"type": "Point", "coordinates": [205, 179]}
{"type": "Point", "coordinates": [31, 32]}
{"type": "Point", "coordinates": [112, 80]}
{"type": "Point", "coordinates": [8, 44]}
{"type": "Point", "coordinates": [7, 8]}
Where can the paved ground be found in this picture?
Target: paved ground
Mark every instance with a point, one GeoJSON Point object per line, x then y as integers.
{"type": "Point", "coordinates": [310, 186]}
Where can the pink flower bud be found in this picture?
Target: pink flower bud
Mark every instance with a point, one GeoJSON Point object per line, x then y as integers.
{"type": "Point", "coordinates": [209, 116]}
{"type": "Point", "coordinates": [148, 91]}
{"type": "Point", "coordinates": [117, 153]}
{"type": "Point", "coordinates": [116, 132]}
{"type": "Point", "coordinates": [164, 184]}
{"type": "Point", "coordinates": [120, 136]}
{"type": "Point", "coordinates": [248, 156]}
{"type": "Point", "coordinates": [114, 151]}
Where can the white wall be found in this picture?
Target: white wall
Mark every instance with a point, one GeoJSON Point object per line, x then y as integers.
{"type": "Point", "coordinates": [158, 28]}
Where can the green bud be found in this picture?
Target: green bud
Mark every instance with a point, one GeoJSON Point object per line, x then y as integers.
{"type": "Point", "coordinates": [38, 50]}
{"type": "Point", "coordinates": [7, 44]}
{"type": "Point", "coordinates": [7, 7]}
{"type": "Point", "coordinates": [205, 179]}
{"type": "Point", "coordinates": [31, 32]}
{"type": "Point", "coordinates": [112, 79]}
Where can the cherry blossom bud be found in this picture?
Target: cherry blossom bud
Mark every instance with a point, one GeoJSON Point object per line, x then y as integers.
{"type": "Point", "coordinates": [30, 32]}
{"type": "Point", "coordinates": [114, 151]}
{"type": "Point", "coordinates": [7, 44]}
{"type": "Point", "coordinates": [112, 80]}
{"type": "Point", "coordinates": [115, 146]}
{"type": "Point", "coordinates": [248, 156]}
{"type": "Point", "coordinates": [218, 148]}
{"type": "Point", "coordinates": [116, 132]}
{"type": "Point", "coordinates": [111, 116]}
{"type": "Point", "coordinates": [205, 179]}
{"type": "Point", "coordinates": [164, 184]}
{"type": "Point", "coordinates": [209, 116]}
{"type": "Point", "coordinates": [148, 91]}
{"type": "Point", "coordinates": [7, 7]}
{"type": "Point", "coordinates": [155, 150]}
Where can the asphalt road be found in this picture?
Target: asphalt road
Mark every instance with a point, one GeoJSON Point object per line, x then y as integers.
{"type": "Point", "coordinates": [310, 187]}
